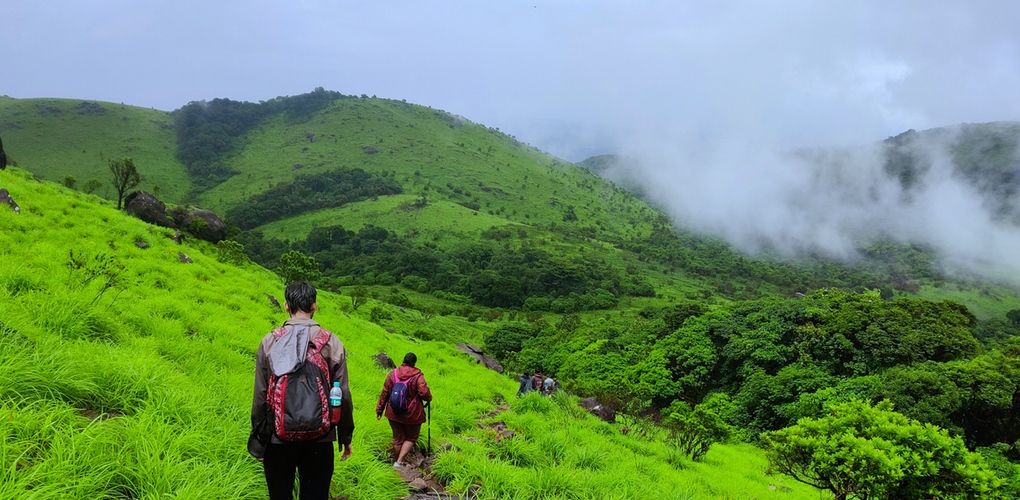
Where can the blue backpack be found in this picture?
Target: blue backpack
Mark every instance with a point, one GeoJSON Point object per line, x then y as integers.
{"type": "Point", "coordinates": [400, 398]}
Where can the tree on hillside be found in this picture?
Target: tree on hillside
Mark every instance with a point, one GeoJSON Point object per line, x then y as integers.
{"type": "Point", "coordinates": [358, 296]}
{"type": "Point", "coordinates": [125, 177]}
{"type": "Point", "coordinates": [863, 451]}
{"type": "Point", "coordinates": [296, 266]}
{"type": "Point", "coordinates": [693, 430]}
{"type": "Point", "coordinates": [1013, 316]}
{"type": "Point", "coordinates": [91, 185]}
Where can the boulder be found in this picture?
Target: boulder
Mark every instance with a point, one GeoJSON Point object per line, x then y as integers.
{"type": "Point", "coordinates": [275, 303]}
{"type": "Point", "coordinates": [204, 224]}
{"type": "Point", "coordinates": [604, 413]}
{"type": "Point", "coordinates": [183, 258]}
{"type": "Point", "coordinates": [5, 198]}
{"type": "Point", "coordinates": [384, 361]}
{"type": "Point", "coordinates": [148, 208]}
{"type": "Point", "coordinates": [480, 357]}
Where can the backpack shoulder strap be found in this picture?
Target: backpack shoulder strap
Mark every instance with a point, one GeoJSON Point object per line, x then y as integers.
{"type": "Point", "coordinates": [320, 339]}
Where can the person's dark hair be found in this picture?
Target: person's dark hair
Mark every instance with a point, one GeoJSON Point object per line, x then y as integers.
{"type": "Point", "coordinates": [410, 359]}
{"type": "Point", "coordinates": [300, 296]}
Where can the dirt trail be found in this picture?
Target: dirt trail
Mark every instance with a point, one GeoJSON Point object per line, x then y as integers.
{"type": "Point", "coordinates": [417, 472]}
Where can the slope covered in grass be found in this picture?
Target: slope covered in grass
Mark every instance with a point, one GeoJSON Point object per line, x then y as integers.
{"type": "Point", "coordinates": [461, 184]}
{"type": "Point", "coordinates": [55, 138]}
{"type": "Point", "coordinates": [126, 373]}
{"type": "Point", "coordinates": [430, 153]}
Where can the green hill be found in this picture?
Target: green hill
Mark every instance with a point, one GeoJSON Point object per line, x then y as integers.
{"type": "Point", "coordinates": [126, 373]}
{"type": "Point", "coordinates": [56, 138]}
{"type": "Point", "coordinates": [473, 197]}
{"type": "Point", "coordinates": [437, 231]}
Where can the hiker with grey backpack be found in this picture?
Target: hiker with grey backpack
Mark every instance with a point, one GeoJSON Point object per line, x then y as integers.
{"type": "Point", "coordinates": [295, 416]}
{"type": "Point", "coordinates": [403, 400]}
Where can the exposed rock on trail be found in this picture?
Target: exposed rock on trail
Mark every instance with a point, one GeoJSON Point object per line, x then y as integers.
{"type": "Point", "coordinates": [486, 360]}
{"type": "Point", "coordinates": [5, 198]}
{"type": "Point", "coordinates": [417, 472]}
{"type": "Point", "coordinates": [384, 361]}
{"type": "Point", "coordinates": [604, 413]}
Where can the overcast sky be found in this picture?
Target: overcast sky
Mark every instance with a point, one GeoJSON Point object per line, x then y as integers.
{"type": "Point", "coordinates": [571, 77]}
{"type": "Point", "coordinates": [707, 93]}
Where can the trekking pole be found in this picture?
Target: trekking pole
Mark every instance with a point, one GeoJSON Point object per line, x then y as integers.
{"type": "Point", "coordinates": [429, 414]}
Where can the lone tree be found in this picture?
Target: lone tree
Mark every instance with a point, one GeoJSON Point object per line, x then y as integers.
{"type": "Point", "coordinates": [693, 430]}
{"type": "Point", "coordinates": [125, 177]}
{"type": "Point", "coordinates": [863, 451]}
{"type": "Point", "coordinates": [296, 266]}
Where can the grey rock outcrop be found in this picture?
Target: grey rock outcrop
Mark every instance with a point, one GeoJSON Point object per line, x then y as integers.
{"type": "Point", "coordinates": [604, 413]}
{"type": "Point", "coordinates": [384, 361]}
{"type": "Point", "coordinates": [148, 208]}
{"type": "Point", "coordinates": [486, 360]}
{"type": "Point", "coordinates": [204, 224]}
{"type": "Point", "coordinates": [5, 198]}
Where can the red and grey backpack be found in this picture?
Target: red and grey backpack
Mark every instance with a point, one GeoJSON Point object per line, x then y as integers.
{"type": "Point", "coordinates": [299, 400]}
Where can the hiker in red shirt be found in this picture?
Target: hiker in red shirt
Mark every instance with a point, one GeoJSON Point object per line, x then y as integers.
{"type": "Point", "coordinates": [403, 398]}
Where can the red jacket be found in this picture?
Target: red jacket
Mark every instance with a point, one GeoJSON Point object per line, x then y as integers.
{"type": "Point", "coordinates": [417, 389]}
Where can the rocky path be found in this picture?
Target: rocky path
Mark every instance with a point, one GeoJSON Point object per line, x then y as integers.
{"type": "Point", "coordinates": [417, 472]}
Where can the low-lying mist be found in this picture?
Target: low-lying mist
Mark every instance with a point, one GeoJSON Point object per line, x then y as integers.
{"type": "Point", "coordinates": [951, 190]}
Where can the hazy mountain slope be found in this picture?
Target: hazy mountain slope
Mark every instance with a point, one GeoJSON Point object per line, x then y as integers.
{"type": "Point", "coordinates": [55, 138]}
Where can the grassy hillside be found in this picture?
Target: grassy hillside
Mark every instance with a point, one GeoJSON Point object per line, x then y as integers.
{"type": "Point", "coordinates": [125, 373]}
{"type": "Point", "coordinates": [55, 138]}
{"type": "Point", "coordinates": [461, 184]}
{"type": "Point", "coordinates": [432, 154]}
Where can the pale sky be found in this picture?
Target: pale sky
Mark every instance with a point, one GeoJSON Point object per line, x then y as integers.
{"type": "Point", "coordinates": [572, 77]}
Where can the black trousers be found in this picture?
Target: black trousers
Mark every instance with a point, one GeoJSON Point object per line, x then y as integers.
{"type": "Point", "coordinates": [313, 463]}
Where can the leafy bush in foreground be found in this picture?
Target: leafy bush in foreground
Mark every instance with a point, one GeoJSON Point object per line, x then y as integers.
{"type": "Point", "coordinates": [861, 451]}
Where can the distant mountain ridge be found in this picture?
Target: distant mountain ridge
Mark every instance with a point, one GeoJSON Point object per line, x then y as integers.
{"type": "Point", "coordinates": [461, 185]}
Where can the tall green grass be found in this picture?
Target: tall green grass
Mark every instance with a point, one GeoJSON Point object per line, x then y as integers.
{"type": "Point", "coordinates": [558, 453]}
{"type": "Point", "coordinates": [125, 373]}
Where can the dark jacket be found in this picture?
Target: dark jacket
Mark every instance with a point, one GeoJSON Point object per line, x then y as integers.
{"type": "Point", "coordinates": [417, 389]}
{"type": "Point", "coordinates": [336, 359]}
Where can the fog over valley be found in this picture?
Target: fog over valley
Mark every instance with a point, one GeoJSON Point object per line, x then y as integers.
{"type": "Point", "coordinates": [834, 201]}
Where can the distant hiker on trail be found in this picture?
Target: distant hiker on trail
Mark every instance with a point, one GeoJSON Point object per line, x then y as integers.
{"type": "Point", "coordinates": [536, 381]}
{"type": "Point", "coordinates": [548, 385]}
{"type": "Point", "coordinates": [525, 381]}
{"type": "Point", "coordinates": [403, 398]}
{"type": "Point", "coordinates": [295, 364]}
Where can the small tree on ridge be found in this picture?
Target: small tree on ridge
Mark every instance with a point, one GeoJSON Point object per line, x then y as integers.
{"type": "Point", "coordinates": [125, 177]}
